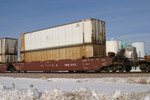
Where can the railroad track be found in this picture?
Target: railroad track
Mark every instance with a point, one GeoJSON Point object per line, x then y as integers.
{"type": "Point", "coordinates": [73, 75]}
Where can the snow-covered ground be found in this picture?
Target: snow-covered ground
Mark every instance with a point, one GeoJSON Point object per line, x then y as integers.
{"type": "Point", "coordinates": [75, 89]}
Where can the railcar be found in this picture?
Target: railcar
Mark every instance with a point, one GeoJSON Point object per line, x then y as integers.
{"type": "Point", "coordinates": [143, 63]}
{"type": "Point", "coordinates": [74, 47]}
{"type": "Point", "coordinates": [111, 63]}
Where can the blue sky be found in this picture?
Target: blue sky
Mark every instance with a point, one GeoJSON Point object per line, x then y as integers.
{"type": "Point", "coordinates": [127, 20]}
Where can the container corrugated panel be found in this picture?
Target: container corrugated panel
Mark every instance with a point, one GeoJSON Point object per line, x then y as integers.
{"type": "Point", "coordinates": [8, 46]}
{"type": "Point", "coordinates": [22, 47]}
{"type": "Point", "coordinates": [98, 31]}
{"type": "Point", "coordinates": [100, 50]}
{"type": "Point", "coordinates": [8, 58]}
{"type": "Point", "coordinates": [0, 46]}
{"type": "Point", "coordinates": [8, 50]}
{"type": "Point", "coordinates": [77, 33]}
{"type": "Point", "coordinates": [64, 53]}
{"type": "Point", "coordinates": [0, 58]}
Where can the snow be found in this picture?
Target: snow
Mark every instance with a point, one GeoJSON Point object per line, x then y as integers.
{"type": "Point", "coordinates": [75, 89]}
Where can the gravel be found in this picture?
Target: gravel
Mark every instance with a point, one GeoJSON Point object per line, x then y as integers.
{"type": "Point", "coordinates": [73, 75]}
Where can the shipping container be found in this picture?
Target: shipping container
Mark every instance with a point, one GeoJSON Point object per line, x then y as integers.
{"type": "Point", "coordinates": [8, 46]}
{"type": "Point", "coordinates": [64, 53]}
{"type": "Point", "coordinates": [8, 50]}
{"type": "Point", "coordinates": [8, 58]}
{"type": "Point", "coordinates": [75, 40]}
{"type": "Point", "coordinates": [77, 33]}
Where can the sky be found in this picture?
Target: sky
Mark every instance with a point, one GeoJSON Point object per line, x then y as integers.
{"type": "Point", "coordinates": [126, 20]}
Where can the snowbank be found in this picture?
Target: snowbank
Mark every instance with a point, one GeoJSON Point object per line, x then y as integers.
{"type": "Point", "coordinates": [101, 85]}
{"type": "Point", "coordinates": [7, 93]}
{"type": "Point", "coordinates": [132, 88]}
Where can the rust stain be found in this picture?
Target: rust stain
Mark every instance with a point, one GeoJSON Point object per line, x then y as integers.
{"type": "Point", "coordinates": [86, 63]}
{"type": "Point", "coordinates": [86, 68]}
{"type": "Point", "coordinates": [17, 67]}
{"type": "Point", "coordinates": [95, 66]}
{"type": "Point", "coordinates": [91, 19]}
{"type": "Point", "coordinates": [103, 59]}
{"type": "Point", "coordinates": [22, 42]}
{"type": "Point", "coordinates": [104, 64]}
{"type": "Point", "coordinates": [109, 60]}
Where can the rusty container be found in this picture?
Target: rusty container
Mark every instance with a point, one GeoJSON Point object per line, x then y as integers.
{"type": "Point", "coordinates": [8, 50]}
{"type": "Point", "coordinates": [85, 38]}
{"type": "Point", "coordinates": [64, 53]}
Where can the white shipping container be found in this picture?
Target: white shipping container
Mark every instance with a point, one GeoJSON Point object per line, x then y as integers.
{"type": "Point", "coordinates": [77, 33]}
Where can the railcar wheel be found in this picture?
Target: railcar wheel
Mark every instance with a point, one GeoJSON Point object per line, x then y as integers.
{"type": "Point", "coordinates": [79, 71]}
{"type": "Point", "coordinates": [114, 68]}
{"type": "Point", "coordinates": [71, 71]}
{"type": "Point", "coordinates": [128, 68]}
{"type": "Point", "coordinates": [121, 68]}
{"type": "Point", "coordinates": [114, 71]}
{"type": "Point", "coordinates": [46, 71]}
{"type": "Point", "coordinates": [107, 70]}
{"type": "Point", "coordinates": [12, 69]}
{"type": "Point", "coordinates": [143, 70]}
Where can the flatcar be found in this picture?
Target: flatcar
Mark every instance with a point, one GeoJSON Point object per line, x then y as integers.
{"type": "Point", "coordinates": [74, 47]}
